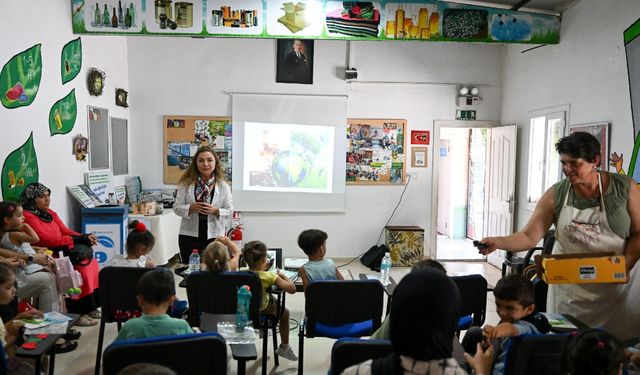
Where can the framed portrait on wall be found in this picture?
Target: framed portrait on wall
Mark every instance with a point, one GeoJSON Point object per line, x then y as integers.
{"type": "Point", "coordinates": [295, 61]}
{"type": "Point", "coordinates": [601, 131]}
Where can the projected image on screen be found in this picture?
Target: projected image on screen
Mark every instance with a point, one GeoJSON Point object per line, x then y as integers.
{"type": "Point", "coordinates": [288, 157]}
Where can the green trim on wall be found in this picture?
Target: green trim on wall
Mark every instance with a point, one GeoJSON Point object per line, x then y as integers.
{"type": "Point", "coordinates": [632, 32]}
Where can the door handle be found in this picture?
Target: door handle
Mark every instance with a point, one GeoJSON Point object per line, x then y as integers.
{"type": "Point", "coordinates": [511, 202]}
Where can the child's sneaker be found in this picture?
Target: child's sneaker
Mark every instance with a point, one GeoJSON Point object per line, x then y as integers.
{"type": "Point", "coordinates": [286, 352]}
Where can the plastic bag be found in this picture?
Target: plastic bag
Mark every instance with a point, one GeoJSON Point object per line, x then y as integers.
{"type": "Point", "coordinates": [69, 280]}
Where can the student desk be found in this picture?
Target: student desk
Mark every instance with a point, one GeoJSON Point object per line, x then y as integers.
{"type": "Point", "coordinates": [165, 228]}
{"type": "Point", "coordinates": [240, 352]}
{"type": "Point", "coordinates": [388, 289]}
{"type": "Point", "coordinates": [44, 347]}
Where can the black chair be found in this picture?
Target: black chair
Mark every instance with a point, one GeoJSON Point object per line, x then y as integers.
{"type": "Point", "coordinates": [535, 355]}
{"type": "Point", "coordinates": [340, 308]}
{"type": "Point", "coordinates": [473, 300]}
{"type": "Point", "coordinates": [118, 290]}
{"type": "Point", "coordinates": [194, 353]}
{"type": "Point", "coordinates": [216, 293]}
{"type": "Point", "coordinates": [517, 264]}
{"type": "Point", "coordinates": [348, 352]}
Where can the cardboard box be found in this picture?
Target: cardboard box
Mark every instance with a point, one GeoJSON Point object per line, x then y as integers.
{"type": "Point", "coordinates": [588, 268]}
{"type": "Point", "coordinates": [145, 208]}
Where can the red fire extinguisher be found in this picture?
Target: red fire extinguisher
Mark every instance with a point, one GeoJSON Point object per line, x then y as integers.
{"type": "Point", "coordinates": [235, 234]}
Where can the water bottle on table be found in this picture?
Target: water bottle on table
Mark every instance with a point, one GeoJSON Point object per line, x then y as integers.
{"type": "Point", "coordinates": [194, 261]}
{"type": "Point", "coordinates": [242, 312]}
{"type": "Point", "coordinates": [385, 269]}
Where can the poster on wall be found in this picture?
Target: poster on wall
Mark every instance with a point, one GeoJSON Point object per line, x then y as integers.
{"type": "Point", "coordinates": [375, 151]}
{"type": "Point", "coordinates": [20, 168]}
{"type": "Point", "coordinates": [183, 135]}
{"type": "Point", "coordinates": [20, 78]}
{"type": "Point", "coordinates": [601, 132]}
{"type": "Point", "coordinates": [71, 60]}
{"type": "Point", "coordinates": [317, 19]}
{"type": "Point", "coordinates": [62, 116]}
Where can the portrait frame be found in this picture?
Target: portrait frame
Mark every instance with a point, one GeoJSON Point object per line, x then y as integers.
{"type": "Point", "coordinates": [419, 157]}
{"type": "Point", "coordinates": [601, 131]}
{"type": "Point", "coordinates": [293, 69]}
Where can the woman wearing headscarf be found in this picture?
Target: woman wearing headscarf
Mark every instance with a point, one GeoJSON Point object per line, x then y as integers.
{"type": "Point", "coordinates": [424, 316]}
{"type": "Point", "coordinates": [203, 201]}
{"type": "Point", "coordinates": [55, 235]}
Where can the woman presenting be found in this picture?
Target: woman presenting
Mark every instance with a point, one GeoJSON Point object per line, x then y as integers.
{"type": "Point", "coordinates": [593, 211]}
{"type": "Point", "coordinates": [203, 201]}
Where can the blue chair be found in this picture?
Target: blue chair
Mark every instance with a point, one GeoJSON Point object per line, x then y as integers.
{"type": "Point", "coordinates": [349, 351]}
{"type": "Point", "coordinates": [535, 354]}
{"type": "Point", "coordinates": [194, 353]}
{"type": "Point", "coordinates": [340, 308]}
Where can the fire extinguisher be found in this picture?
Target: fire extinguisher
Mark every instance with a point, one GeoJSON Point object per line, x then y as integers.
{"type": "Point", "coordinates": [235, 234]}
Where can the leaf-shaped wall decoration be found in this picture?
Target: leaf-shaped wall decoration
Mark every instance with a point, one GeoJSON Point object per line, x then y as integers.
{"type": "Point", "coordinates": [62, 116]}
{"type": "Point", "coordinates": [71, 60]}
{"type": "Point", "coordinates": [20, 169]}
{"type": "Point", "coordinates": [20, 78]}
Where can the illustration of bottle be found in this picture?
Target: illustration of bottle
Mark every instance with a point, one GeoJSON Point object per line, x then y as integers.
{"type": "Point", "coordinates": [434, 23]}
{"type": "Point", "coordinates": [132, 11]}
{"type": "Point", "coordinates": [399, 23]}
{"type": "Point", "coordinates": [97, 17]}
{"type": "Point", "coordinates": [120, 15]}
{"type": "Point", "coordinates": [114, 18]}
{"type": "Point", "coordinates": [127, 19]}
{"type": "Point", "coordinates": [255, 17]}
{"type": "Point", "coordinates": [106, 17]}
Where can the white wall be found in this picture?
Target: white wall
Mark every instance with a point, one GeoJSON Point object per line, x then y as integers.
{"type": "Point", "coordinates": [184, 76]}
{"type": "Point", "coordinates": [24, 24]}
{"type": "Point", "coordinates": [587, 70]}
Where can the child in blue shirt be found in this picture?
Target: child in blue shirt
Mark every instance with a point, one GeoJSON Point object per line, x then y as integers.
{"type": "Point", "coordinates": [518, 316]}
{"type": "Point", "coordinates": [156, 292]}
{"type": "Point", "coordinates": [314, 243]}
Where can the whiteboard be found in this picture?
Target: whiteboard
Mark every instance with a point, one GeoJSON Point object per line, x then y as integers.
{"type": "Point", "coordinates": [98, 129]}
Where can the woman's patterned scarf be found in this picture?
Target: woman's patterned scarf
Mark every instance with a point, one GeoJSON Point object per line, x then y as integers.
{"type": "Point", "coordinates": [28, 199]}
{"type": "Point", "coordinates": [203, 189]}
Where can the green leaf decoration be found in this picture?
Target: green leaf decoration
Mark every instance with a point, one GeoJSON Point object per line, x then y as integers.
{"type": "Point", "coordinates": [71, 60]}
{"type": "Point", "coordinates": [20, 78]}
{"type": "Point", "coordinates": [62, 116]}
{"type": "Point", "coordinates": [20, 169]}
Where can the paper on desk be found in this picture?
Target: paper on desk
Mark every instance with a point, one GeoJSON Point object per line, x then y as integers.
{"type": "Point", "coordinates": [52, 328]}
{"type": "Point", "coordinates": [373, 277]}
{"type": "Point", "coordinates": [294, 263]}
{"type": "Point", "coordinates": [558, 321]}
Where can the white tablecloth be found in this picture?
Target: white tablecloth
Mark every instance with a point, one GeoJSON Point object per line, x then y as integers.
{"type": "Point", "coordinates": [165, 228]}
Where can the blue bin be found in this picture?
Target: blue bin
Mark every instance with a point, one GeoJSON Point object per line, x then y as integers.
{"type": "Point", "coordinates": [109, 224]}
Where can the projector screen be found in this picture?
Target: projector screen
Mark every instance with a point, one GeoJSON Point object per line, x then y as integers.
{"type": "Point", "coordinates": [289, 153]}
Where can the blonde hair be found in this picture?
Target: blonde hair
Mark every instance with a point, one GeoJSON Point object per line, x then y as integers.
{"type": "Point", "coordinates": [215, 257]}
{"type": "Point", "coordinates": [254, 252]}
{"type": "Point", "coordinates": [190, 175]}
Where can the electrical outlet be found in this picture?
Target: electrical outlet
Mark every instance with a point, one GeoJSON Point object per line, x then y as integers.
{"type": "Point", "coordinates": [414, 175]}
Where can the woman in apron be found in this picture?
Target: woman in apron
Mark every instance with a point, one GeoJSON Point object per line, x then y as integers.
{"type": "Point", "coordinates": [593, 211]}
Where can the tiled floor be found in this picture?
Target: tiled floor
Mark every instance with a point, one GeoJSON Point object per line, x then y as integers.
{"type": "Point", "coordinates": [450, 248]}
{"type": "Point", "coordinates": [317, 350]}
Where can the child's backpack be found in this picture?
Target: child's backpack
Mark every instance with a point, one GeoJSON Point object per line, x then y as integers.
{"type": "Point", "coordinates": [373, 257]}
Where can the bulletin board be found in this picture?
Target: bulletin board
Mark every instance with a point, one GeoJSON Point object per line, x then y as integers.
{"type": "Point", "coordinates": [183, 135]}
{"type": "Point", "coordinates": [376, 151]}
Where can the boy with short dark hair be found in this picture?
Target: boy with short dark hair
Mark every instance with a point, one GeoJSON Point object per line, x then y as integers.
{"type": "Point", "coordinates": [156, 292]}
{"type": "Point", "coordinates": [515, 305]}
{"type": "Point", "coordinates": [314, 243]}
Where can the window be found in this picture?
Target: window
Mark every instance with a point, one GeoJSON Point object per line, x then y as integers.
{"type": "Point", "coordinates": [544, 162]}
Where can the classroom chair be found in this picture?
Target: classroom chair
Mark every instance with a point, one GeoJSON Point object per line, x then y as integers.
{"type": "Point", "coordinates": [517, 264]}
{"type": "Point", "coordinates": [340, 308]}
{"type": "Point", "coordinates": [351, 351]}
{"type": "Point", "coordinates": [473, 301]}
{"type": "Point", "coordinates": [118, 291]}
{"type": "Point", "coordinates": [193, 353]}
{"type": "Point", "coordinates": [535, 354]}
{"type": "Point", "coordinates": [216, 293]}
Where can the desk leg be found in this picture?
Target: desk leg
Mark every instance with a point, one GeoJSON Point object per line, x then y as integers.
{"type": "Point", "coordinates": [38, 364]}
{"type": "Point", "coordinates": [388, 305]}
{"type": "Point", "coordinates": [242, 364]}
{"type": "Point", "coordinates": [52, 361]}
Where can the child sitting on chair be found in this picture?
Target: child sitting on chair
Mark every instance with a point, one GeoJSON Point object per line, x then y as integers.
{"type": "Point", "coordinates": [255, 254]}
{"type": "Point", "coordinates": [139, 244]}
{"type": "Point", "coordinates": [156, 292]}
{"type": "Point", "coordinates": [516, 309]}
{"type": "Point", "coordinates": [592, 352]}
{"type": "Point", "coordinates": [314, 243]}
{"type": "Point", "coordinates": [216, 255]}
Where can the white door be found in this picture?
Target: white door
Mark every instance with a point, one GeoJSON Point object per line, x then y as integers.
{"type": "Point", "coordinates": [500, 191]}
{"type": "Point", "coordinates": [444, 186]}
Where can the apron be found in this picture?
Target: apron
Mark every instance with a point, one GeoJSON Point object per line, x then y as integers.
{"type": "Point", "coordinates": [610, 307]}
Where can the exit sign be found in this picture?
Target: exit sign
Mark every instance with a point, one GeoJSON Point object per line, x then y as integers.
{"type": "Point", "coordinates": [465, 114]}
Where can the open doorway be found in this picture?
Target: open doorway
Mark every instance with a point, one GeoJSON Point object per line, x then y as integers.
{"type": "Point", "coordinates": [462, 158]}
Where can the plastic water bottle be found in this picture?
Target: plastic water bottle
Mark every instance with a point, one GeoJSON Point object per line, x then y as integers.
{"type": "Point", "coordinates": [194, 261]}
{"type": "Point", "coordinates": [385, 269]}
{"type": "Point", "coordinates": [21, 277]}
{"type": "Point", "coordinates": [142, 261]}
{"type": "Point", "coordinates": [242, 313]}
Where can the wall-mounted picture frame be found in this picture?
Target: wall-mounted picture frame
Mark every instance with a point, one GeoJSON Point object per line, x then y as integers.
{"type": "Point", "coordinates": [295, 61]}
{"type": "Point", "coordinates": [419, 157]}
{"type": "Point", "coordinates": [601, 131]}
{"type": "Point", "coordinates": [95, 81]}
{"type": "Point", "coordinates": [122, 97]}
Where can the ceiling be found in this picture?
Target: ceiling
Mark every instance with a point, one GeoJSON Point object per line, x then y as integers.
{"type": "Point", "coordinates": [544, 6]}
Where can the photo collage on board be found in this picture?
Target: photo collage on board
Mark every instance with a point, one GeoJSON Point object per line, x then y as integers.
{"type": "Point", "coordinates": [375, 152]}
